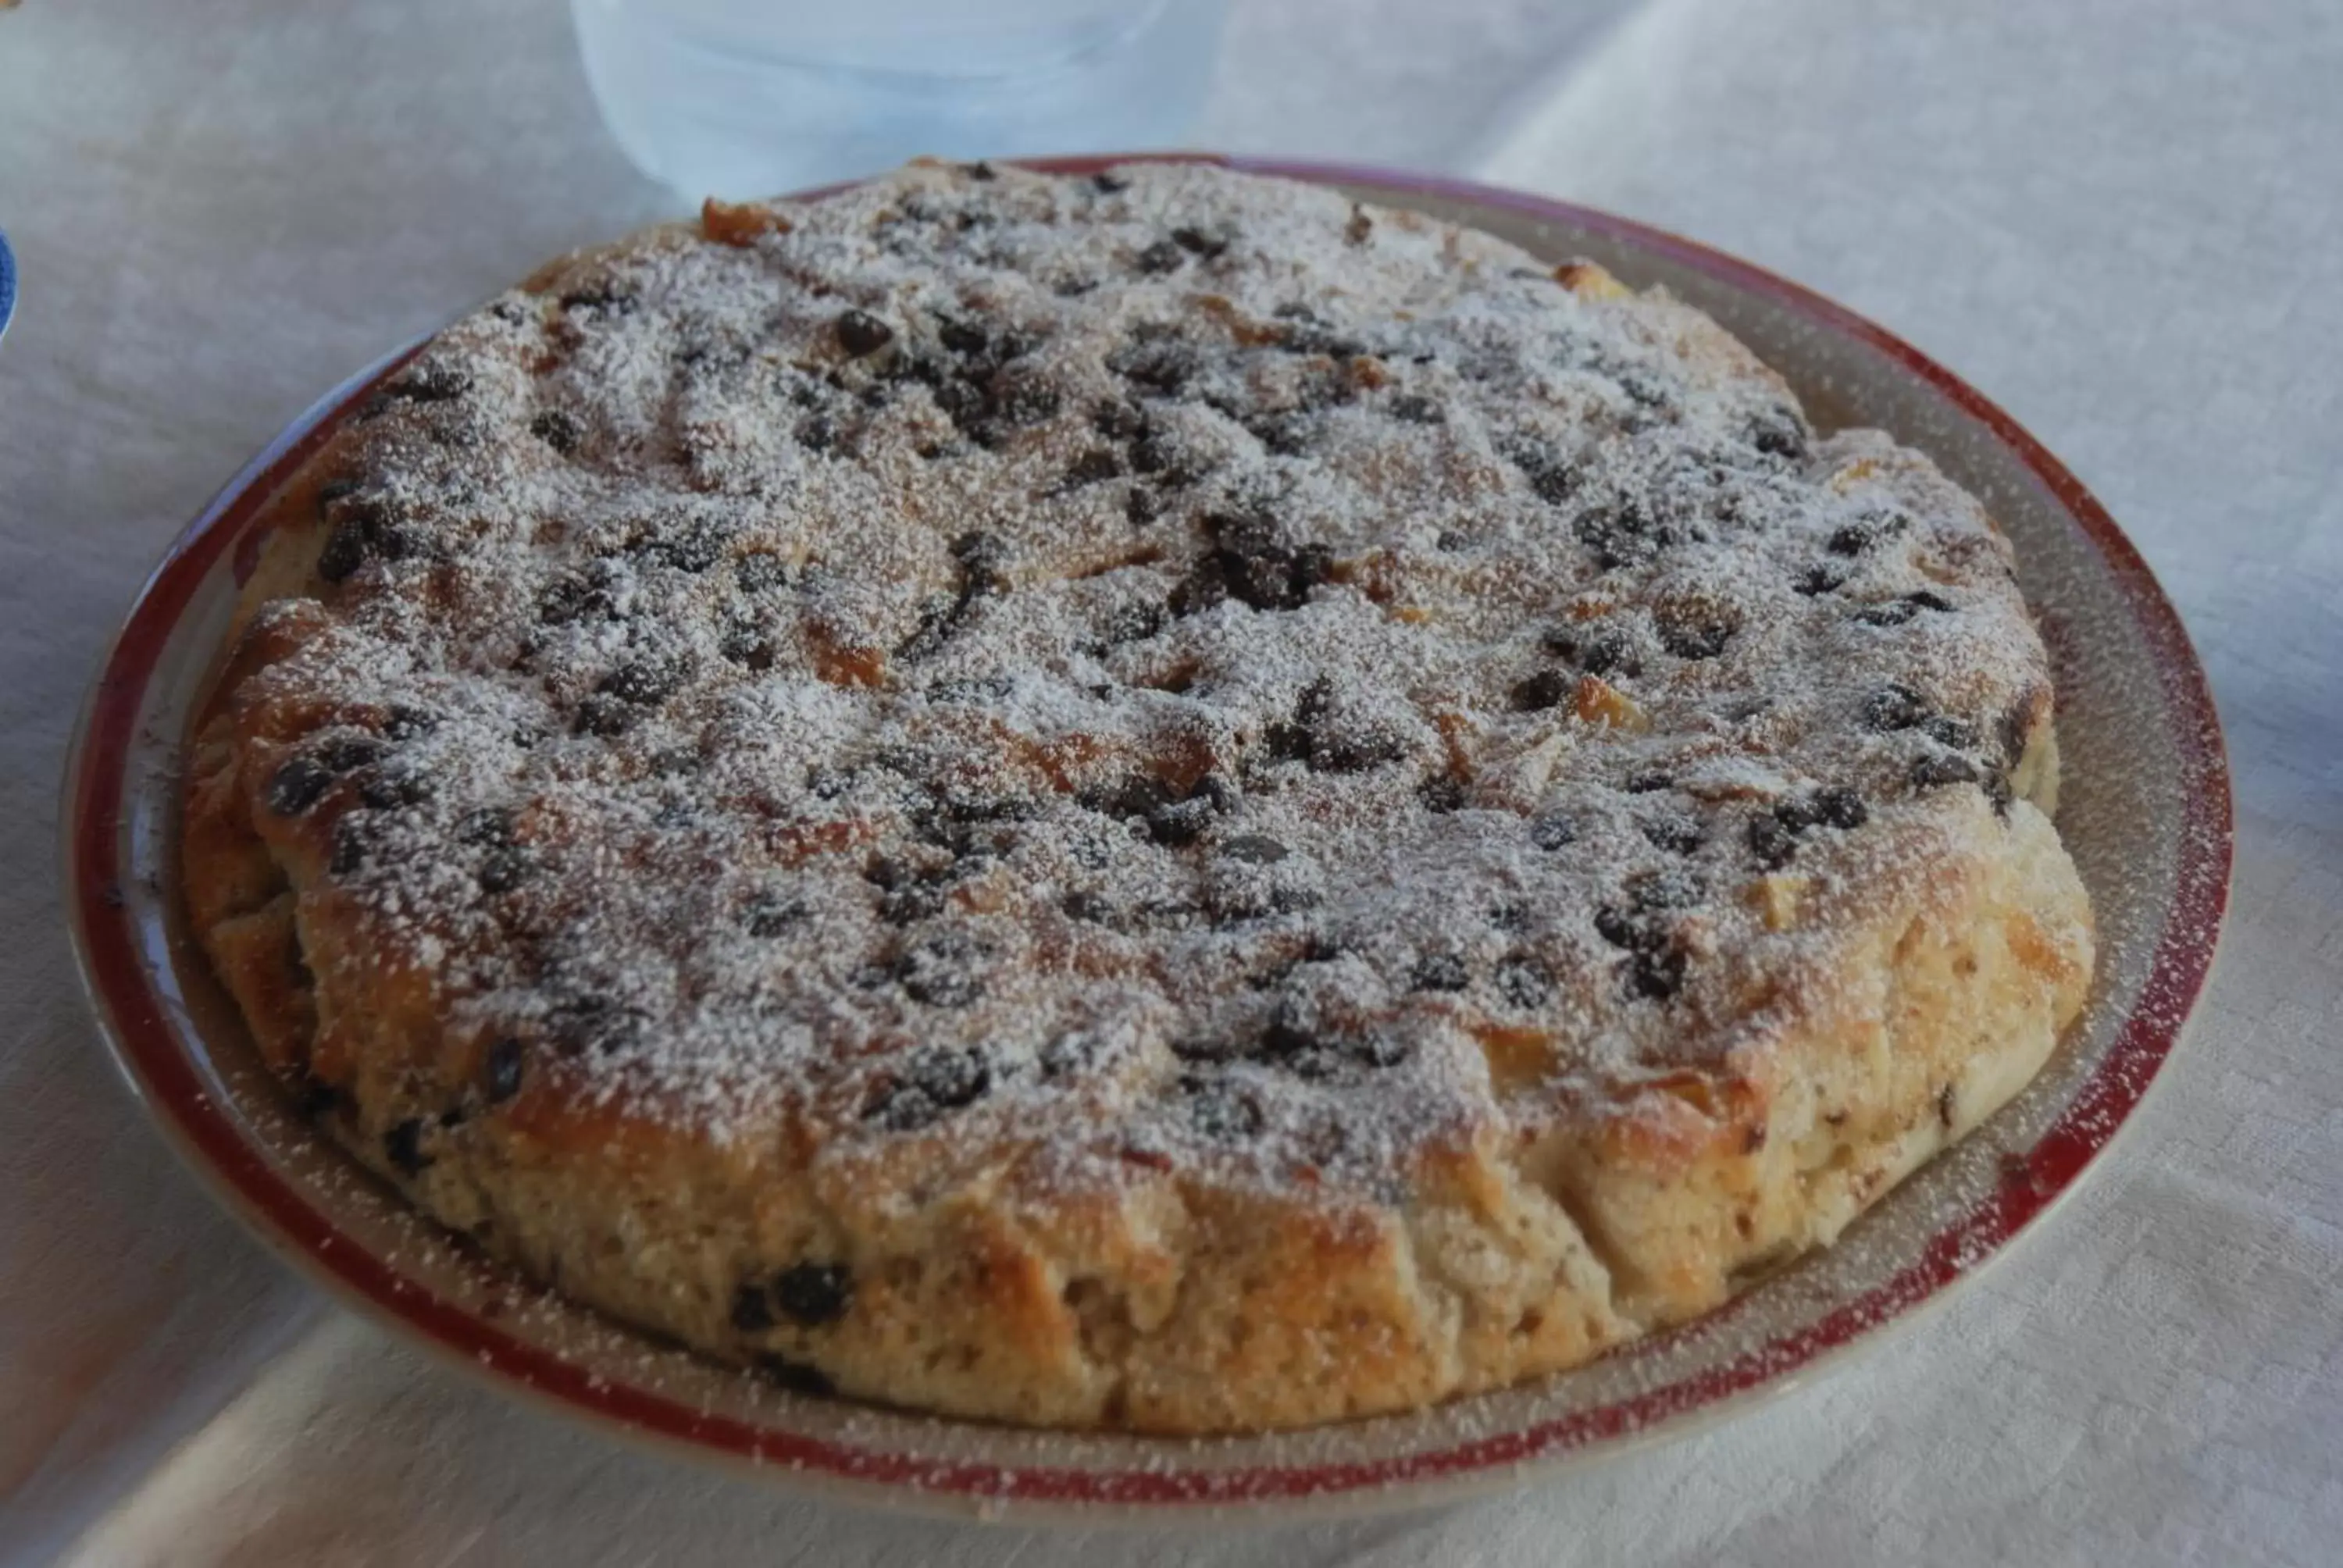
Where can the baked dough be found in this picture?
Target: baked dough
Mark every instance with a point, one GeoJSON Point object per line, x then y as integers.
{"type": "Point", "coordinates": [1157, 799]}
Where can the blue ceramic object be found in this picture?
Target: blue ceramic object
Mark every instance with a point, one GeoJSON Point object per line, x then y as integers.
{"type": "Point", "coordinates": [7, 285]}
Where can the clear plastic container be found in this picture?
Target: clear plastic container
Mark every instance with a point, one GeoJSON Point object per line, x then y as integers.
{"type": "Point", "coordinates": [746, 98]}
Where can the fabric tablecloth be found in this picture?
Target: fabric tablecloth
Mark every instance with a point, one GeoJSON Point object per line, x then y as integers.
{"type": "Point", "coordinates": [2123, 220]}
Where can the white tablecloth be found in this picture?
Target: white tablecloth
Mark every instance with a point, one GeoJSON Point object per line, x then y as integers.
{"type": "Point", "coordinates": [2122, 218]}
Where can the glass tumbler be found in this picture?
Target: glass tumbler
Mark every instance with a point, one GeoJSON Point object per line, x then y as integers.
{"type": "Point", "coordinates": [743, 99]}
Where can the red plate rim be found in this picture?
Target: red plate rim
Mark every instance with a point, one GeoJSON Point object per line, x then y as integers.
{"type": "Point", "coordinates": [120, 983]}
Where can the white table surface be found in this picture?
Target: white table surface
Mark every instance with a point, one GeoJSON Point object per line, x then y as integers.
{"type": "Point", "coordinates": [2121, 219]}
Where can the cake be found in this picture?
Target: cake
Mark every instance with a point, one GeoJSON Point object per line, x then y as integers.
{"type": "Point", "coordinates": [1157, 799]}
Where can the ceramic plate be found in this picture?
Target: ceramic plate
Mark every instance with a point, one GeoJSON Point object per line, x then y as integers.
{"type": "Point", "coordinates": [2146, 811]}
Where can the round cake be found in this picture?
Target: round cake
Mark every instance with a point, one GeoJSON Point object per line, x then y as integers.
{"type": "Point", "coordinates": [1155, 800]}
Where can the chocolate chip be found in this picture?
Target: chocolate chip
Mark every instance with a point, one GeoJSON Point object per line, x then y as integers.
{"type": "Point", "coordinates": [1163, 256]}
{"type": "Point", "coordinates": [1607, 651]}
{"type": "Point", "coordinates": [1925, 599]}
{"type": "Point", "coordinates": [795, 1376]}
{"type": "Point", "coordinates": [1151, 455]}
{"type": "Point", "coordinates": [1020, 400]}
{"type": "Point", "coordinates": [1546, 689]}
{"type": "Point", "coordinates": [1141, 506]}
{"type": "Point", "coordinates": [1670, 887]}
{"type": "Point", "coordinates": [646, 681]}
{"type": "Point", "coordinates": [1440, 971]}
{"type": "Point", "coordinates": [1892, 708]}
{"type": "Point", "coordinates": [363, 529]}
{"type": "Point", "coordinates": [1644, 391]}
{"type": "Point", "coordinates": [1672, 831]}
{"type": "Point", "coordinates": [1650, 782]}
{"type": "Point", "coordinates": [403, 1146]}
{"type": "Point", "coordinates": [1840, 807]}
{"type": "Point", "coordinates": [761, 571]}
{"type": "Point", "coordinates": [405, 723]}
{"type": "Point", "coordinates": [861, 333]}
{"type": "Point", "coordinates": [1292, 1031]}
{"type": "Point", "coordinates": [1947, 730]}
{"type": "Point", "coordinates": [1117, 420]}
{"type": "Point", "coordinates": [503, 869]}
{"type": "Point", "coordinates": [558, 428]}
{"type": "Point", "coordinates": [1253, 850]}
{"type": "Point", "coordinates": [1552, 830]}
{"type": "Point", "coordinates": [604, 297]}
{"type": "Point", "coordinates": [1779, 433]}
{"type": "Point", "coordinates": [813, 1294]}
{"type": "Point", "coordinates": [500, 1072]}
{"type": "Point", "coordinates": [1895, 612]}
{"type": "Point", "coordinates": [606, 716]}
{"type": "Point", "coordinates": [1285, 742]}
{"type": "Point", "coordinates": [1355, 749]}
{"type": "Point", "coordinates": [1935, 768]}
{"type": "Point", "coordinates": [1134, 621]}
{"type": "Point", "coordinates": [1205, 585]}
{"type": "Point", "coordinates": [1262, 574]}
{"type": "Point", "coordinates": [347, 753]}
{"type": "Point", "coordinates": [964, 339]}
{"type": "Point", "coordinates": [939, 619]}
{"type": "Point", "coordinates": [488, 825]}
{"type": "Point", "coordinates": [1550, 479]}
{"type": "Point", "coordinates": [1622, 928]}
{"type": "Point", "coordinates": [770, 914]}
{"type": "Point", "coordinates": [1285, 435]}
{"type": "Point", "coordinates": [934, 1082]}
{"type": "Point", "coordinates": [430, 381]}
{"type": "Point", "coordinates": [1414, 410]}
{"type": "Point", "coordinates": [1083, 905]}
{"type": "Point", "coordinates": [752, 1311]}
{"type": "Point", "coordinates": [1816, 580]}
{"type": "Point", "coordinates": [1697, 632]}
{"type": "Point", "coordinates": [1441, 793]}
{"type": "Point", "coordinates": [817, 433]}
{"type": "Point", "coordinates": [297, 784]}
{"type": "Point", "coordinates": [962, 402]}
{"type": "Point", "coordinates": [940, 970]}
{"type": "Point", "coordinates": [1107, 183]}
{"type": "Point", "coordinates": [1656, 973]}
{"type": "Point", "coordinates": [1164, 366]}
{"type": "Point", "coordinates": [1074, 1052]}
{"type": "Point", "coordinates": [1137, 796]}
{"type": "Point", "coordinates": [574, 598]}
{"type": "Point", "coordinates": [315, 1098]}
{"type": "Point", "coordinates": [1207, 244]}
{"type": "Point", "coordinates": [1998, 792]}
{"type": "Point", "coordinates": [1178, 823]}
{"type": "Point", "coordinates": [687, 547]}
{"type": "Point", "coordinates": [1850, 540]}
{"type": "Point", "coordinates": [1523, 980]}
{"type": "Point", "coordinates": [1093, 467]}
{"type": "Point", "coordinates": [1772, 841]}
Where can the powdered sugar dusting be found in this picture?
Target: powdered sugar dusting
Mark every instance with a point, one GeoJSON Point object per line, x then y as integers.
{"type": "Point", "coordinates": [1219, 657]}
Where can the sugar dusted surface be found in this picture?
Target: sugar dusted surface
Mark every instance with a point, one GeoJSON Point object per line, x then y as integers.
{"type": "Point", "coordinates": [812, 739]}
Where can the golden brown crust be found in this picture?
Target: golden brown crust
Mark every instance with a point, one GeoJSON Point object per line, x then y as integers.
{"type": "Point", "coordinates": [1713, 1081]}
